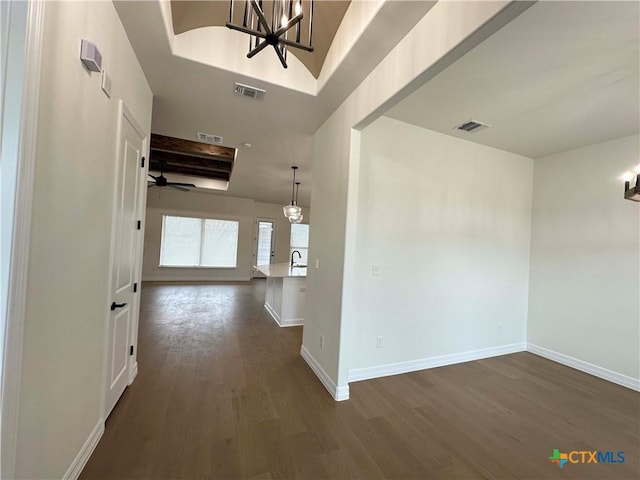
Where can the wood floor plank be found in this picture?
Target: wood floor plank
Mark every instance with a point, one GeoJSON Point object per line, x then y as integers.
{"type": "Point", "coordinates": [222, 393]}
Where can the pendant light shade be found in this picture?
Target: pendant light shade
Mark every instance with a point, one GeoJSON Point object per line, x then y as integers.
{"type": "Point", "coordinates": [293, 210]}
{"type": "Point", "coordinates": [298, 217]}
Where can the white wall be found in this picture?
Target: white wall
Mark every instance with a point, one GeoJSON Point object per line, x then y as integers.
{"type": "Point", "coordinates": [61, 389]}
{"type": "Point", "coordinates": [585, 259]}
{"type": "Point", "coordinates": [448, 223]}
{"type": "Point", "coordinates": [172, 202]}
{"type": "Point", "coordinates": [13, 20]}
{"type": "Point", "coordinates": [447, 31]}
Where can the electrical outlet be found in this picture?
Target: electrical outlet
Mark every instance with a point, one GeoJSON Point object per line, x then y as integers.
{"type": "Point", "coordinates": [379, 341]}
{"type": "Point", "coordinates": [321, 342]}
{"type": "Point", "coordinates": [317, 263]}
{"type": "Point", "coordinates": [375, 269]}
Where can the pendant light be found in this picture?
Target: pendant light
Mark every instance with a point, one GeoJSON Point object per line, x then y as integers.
{"type": "Point", "coordinates": [298, 218]}
{"type": "Point", "coordinates": [293, 210]}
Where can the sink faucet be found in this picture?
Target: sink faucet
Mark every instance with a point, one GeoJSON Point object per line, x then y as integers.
{"type": "Point", "coordinates": [299, 256]}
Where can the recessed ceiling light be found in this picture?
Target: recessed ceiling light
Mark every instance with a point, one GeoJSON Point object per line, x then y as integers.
{"type": "Point", "coordinates": [246, 144]}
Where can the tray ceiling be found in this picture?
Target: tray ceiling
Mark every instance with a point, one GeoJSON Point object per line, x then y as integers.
{"type": "Point", "coordinates": [327, 15]}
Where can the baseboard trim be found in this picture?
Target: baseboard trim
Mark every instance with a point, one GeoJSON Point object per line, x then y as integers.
{"type": "Point", "coordinates": [366, 373]}
{"type": "Point", "coordinates": [272, 313]}
{"type": "Point", "coordinates": [133, 373]}
{"type": "Point", "coordinates": [194, 279]}
{"type": "Point", "coordinates": [338, 393]}
{"type": "Point", "coordinates": [85, 452]}
{"type": "Point", "coordinates": [291, 322]}
{"type": "Point", "coordinates": [586, 367]}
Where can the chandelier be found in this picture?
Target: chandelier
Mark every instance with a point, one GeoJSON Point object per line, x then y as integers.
{"type": "Point", "coordinates": [282, 28]}
{"type": "Point", "coordinates": [293, 212]}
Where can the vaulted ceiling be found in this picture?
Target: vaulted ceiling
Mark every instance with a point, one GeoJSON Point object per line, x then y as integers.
{"type": "Point", "coordinates": [194, 89]}
{"type": "Point", "coordinates": [327, 15]}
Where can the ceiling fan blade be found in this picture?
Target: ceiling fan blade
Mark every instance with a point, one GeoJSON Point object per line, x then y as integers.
{"type": "Point", "coordinates": [155, 178]}
{"type": "Point", "coordinates": [182, 189]}
{"type": "Point", "coordinates": [181, 184]}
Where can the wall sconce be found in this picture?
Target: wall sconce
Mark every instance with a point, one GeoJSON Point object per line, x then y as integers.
{"type": "Point", "coordinates": [632, 193]}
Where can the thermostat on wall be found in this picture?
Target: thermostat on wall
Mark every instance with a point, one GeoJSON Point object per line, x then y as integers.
{"type": "Point", "coordinates": [90, 56]}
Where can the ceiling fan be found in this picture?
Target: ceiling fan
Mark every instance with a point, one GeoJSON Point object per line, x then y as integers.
{"type": "Point", "coordinates": [161, 181]}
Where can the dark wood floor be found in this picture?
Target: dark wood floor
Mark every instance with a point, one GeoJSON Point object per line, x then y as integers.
{"type": "Point", "coordinates": [222, 392]}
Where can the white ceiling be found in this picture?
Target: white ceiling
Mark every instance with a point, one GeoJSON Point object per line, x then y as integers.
{"type": "Point", "coordinates": [560, 76]}
{"type": "Point", "coordinates": [192, 96]}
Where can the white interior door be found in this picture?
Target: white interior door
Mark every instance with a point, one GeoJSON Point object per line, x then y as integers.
{"type": "Point", "coordinates": [124, 306]}
{"type": "Point", "coordinates": [264, 248]}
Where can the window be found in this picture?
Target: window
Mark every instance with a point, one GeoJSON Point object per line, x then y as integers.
{"type": "Point", "coordinates": [198, 242]}
{"type": "Point", "coordinates": [300, 242]}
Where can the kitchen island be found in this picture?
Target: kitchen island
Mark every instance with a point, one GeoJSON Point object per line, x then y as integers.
{"type": "Point", "coordinates": [285, 292]}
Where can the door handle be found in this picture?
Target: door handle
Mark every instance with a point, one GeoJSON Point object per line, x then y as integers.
{"type": "Point", "coordinates": [115, 305]}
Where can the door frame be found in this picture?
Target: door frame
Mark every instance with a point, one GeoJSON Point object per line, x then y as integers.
{"type": "Point", "coordinates": [13, 335]}
{"type": "Point", "coordinates": [257, 220]}
{"type": "Point", "coordinates": [124, 114]}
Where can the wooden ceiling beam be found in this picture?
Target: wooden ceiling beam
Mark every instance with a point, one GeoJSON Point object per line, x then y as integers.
{"type": "Point", "coordinates": [191, 148]}
{"type": "Point", "coordinates": [185, 157]}
{"type": "Point", "coordinates": [170, 159]}
{"type": "Point", "coordinates": [190, 171]}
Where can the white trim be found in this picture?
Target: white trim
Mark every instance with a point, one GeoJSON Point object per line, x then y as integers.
{"type": "Point", "coordinates": [338, 393]}
{"type": "Point", "coordinates": [85, 452]}
{"type": "Point", "coordinates": [192, 278]}
{"type": "Point", "coordinates": [255, 272]}
{"type": "Point", "coordinates": [290, 322]}
{"type": "Point", "coordinates": [17, 296]}
{"type": "Point", "coordinates": [366, 373]}
{"type": "Point", "coordinates": [133, 372]}
{"type": "Point", "coordinates": [132, 120]}
{"type": "Point", "coordinates": [342, 393]}
{"type": "Point", "coordinates": [273, 313]}
{"type": "Point", "coordinates": [590, 368]}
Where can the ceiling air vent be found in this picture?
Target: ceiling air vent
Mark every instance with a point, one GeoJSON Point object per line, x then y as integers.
{"type": "Point", "coordinates": [248, 91]}
{"type": "Point", "coordinates": [472, 126]}
{"type": "Point", "coordinates": [208, 138]}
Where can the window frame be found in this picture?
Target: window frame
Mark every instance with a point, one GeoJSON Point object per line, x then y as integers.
{"type": "Point", "coordinates": [292, 248]}
{"type": "Point", "coordinates": [202, 233]}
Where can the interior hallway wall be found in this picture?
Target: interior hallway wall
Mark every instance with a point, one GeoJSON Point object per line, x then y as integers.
{"type": "Point", "coordinates": [585, 257]}
{"type": "Point", "coordinates": [62, 389]}
{"type": "Point", "coordinates": [167, 201]}
{"type": "Point", "coordinates": [447, 224]}
{"type": "Point", "coordinates": [445, 33]}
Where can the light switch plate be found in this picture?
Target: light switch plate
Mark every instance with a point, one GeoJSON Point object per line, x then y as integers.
{"type": "Point", "coordinates": [106, 83]}
{"type": "Point", "coordinates": [375, 269]}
